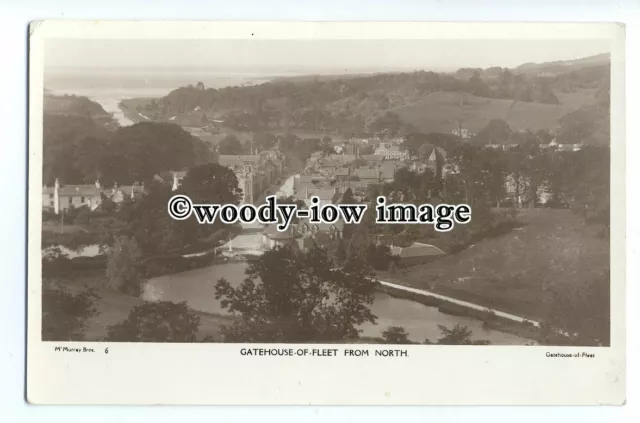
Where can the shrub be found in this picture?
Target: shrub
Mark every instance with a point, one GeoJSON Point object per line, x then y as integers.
{"type": "Point", "coordinates": [124, 268]}
{"type": "Point", "coordinates": [163, 321]}
{"type": "Point", "coordinates": [396, 335]}
{"type": "Point", "coordinates": [64, 315]}
{"type": "Point", "coordinates": [82, 216]}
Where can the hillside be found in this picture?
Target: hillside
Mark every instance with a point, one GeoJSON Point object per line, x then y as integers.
{"type": "Point", "coordinates": [77, 106]}
{"type": "Point", "coordinates": [563, 66]}
{"type": "Point", "coordinates": [532, 96]}
{"type": "Point", "coordinates": [554, 252]}
{"type": "Point", "coordinates": [444, 111]}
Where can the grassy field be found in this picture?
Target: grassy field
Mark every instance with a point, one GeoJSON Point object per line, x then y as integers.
{"type": "Point", "coordinates": [441, 111]}
{"type": "Point", "coordinates": [114, 307]}
{"type": "Point", "coordinates": [513, 272]}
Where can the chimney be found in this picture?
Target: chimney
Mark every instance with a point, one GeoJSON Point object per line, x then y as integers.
{"type": "Point", "coordinates": [175, 182]}
{"type": "Point", "coordinates": [56, 197]}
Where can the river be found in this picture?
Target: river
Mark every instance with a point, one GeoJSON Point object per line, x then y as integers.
{"type": "Point", "coordinates": [197, 288]}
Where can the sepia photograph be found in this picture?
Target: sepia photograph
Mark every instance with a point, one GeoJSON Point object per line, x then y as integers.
{"type": "Point", "coordinates": [516, 130]}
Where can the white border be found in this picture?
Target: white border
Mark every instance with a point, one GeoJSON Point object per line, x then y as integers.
{"type": "Point", "coordinates": [149, 373]}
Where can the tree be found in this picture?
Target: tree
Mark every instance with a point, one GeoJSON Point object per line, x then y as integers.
{"type": "Point", "coordinates": [298, 297]}
{"type": "Point", "coordinates": [341, 252]}
{"type": "Point", "coordinates": [124, 267]}
{"type": "Point", "coordinates": [497, 131]}
{"type": "Point", "coordinates": [379, 256]}
{"type": "Point", "coordinates": [163, 321]}
{"type": "Point", "coordinates": [263, 140]}
{"type": "Point", "coordinates": [477, 86]}
{"type": "Point", "coordinates": [211, 183]}
{"type": "Point", "coordinates": [347, 197]}
{"type": "Point", "coordinates": [396, 335]}
{"type": "Point", "coordinates": [64, 315]}
{"type": "Point", "coordinates": [388, 123]}
{"type": "Point", "coordinates": [495, 166]}
{"type": "Point", "coordinates": [459, 335]}
{"type": "Point", "coordinates": [230, 145]}
{"type": "Point", "coordinates": [106, 204]}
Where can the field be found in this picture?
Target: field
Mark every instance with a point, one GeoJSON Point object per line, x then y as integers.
{"type": "Point", "coordinates": [513, 272]}
{"type": "Point", "coordinates": [443, 111]}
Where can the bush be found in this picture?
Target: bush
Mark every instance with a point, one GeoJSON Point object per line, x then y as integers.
{"type": "Point", "coordinates": [163, 321]}
{"type": "Point", "coordinates": [124, 268]}
{"type": "Point", "coordinates": [82, 216]}
{"type": "Point", "coordinates": [396, 335]}
{"type": "Point", "coordinates": [64, 315]}
{"type": "Point", "coordinates": [379, 256]}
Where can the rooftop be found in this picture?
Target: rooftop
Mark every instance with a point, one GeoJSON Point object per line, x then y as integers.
{"type": "Point", "coordinates": [417, 249]}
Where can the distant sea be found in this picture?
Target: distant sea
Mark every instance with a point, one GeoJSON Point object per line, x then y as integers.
{"type": "Point", "coordinates": [109, 87]}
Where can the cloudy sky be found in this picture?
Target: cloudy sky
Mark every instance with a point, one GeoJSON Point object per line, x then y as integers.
{"type": "Point", "coordinates": [317, 56]}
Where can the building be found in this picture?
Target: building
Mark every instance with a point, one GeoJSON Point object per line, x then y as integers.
{"type": "Point", "coordinates": [392, 152]}
{"type": "Point", "coordinates": [62, 197]}
{"type": "Point", "coordinates": [561, 147]}
{"type": "Point", "coordinates": [416, 253]}
{"type": "Point", "coordinates": [463, 133]}
{"type": "Point", "coordinates": [255, 172]}
{"type": "Point", "coordinates": [434, 158]}
{"type": "Point", "coordinates": [306, 229]}
{"type": "Point", "coordinates": [301, 235]}
{"type": "Point", "coordinates": [272, 238]}
{"type": "Point", "coordinates": [326, 195]}
{"type": "Point", "coordinates": [503, 147]}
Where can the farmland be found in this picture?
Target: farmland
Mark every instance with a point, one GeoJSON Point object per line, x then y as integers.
{"type": "Point", "coordinates": [442, 111]}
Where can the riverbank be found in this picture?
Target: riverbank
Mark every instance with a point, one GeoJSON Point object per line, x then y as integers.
{"type": "Point", "coordinates": [114, 307]}
{"type": "Point", "coordinates": [490, 319]}
{"type": "Point", "coordinates": [517, 272]}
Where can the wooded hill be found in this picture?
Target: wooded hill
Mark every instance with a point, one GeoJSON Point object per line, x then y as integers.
{"type": "Point", "coordinates": [79, 150]}
{"type": "Point", "coordinates": [532, 96]}
{"type": "Point", "coordinates": [78, 106]}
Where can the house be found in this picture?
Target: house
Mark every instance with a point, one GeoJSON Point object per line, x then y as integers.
{"type": "Point", "coordinates": [307, 229]}
{"type": "Point", "coordinates": [561, 147]}
{"type": "Point", "coordinates": [62, 197]}
{"type": "Point", "coordinates": [503, 147]}
{"type": "Point", "coordinates": [272, 238]}
{"type": "Point", "coordinates": [371, 158]}
{"type": "Point", "coordinates": [416, 253]}
{"type": "Point", "coordinates": [326, 195]}
{"type": "Point", "coordinates": [391, 152]}
{"type": "Point", "coordinates": [462, 133]}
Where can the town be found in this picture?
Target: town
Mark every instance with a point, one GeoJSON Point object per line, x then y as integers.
{"type": "Point", "coordinates": [518, 211]}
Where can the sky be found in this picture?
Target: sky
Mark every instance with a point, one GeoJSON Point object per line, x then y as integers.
{"type": "Point", "coordinates": [312, 56]}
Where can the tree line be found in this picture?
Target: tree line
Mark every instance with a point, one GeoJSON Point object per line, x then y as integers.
{"type": "Point", "coordinates": [78, 150]}
{"type": "Point", "coordinates": [355, 105]}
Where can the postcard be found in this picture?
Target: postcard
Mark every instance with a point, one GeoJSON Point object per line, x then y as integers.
{"type": "Point", "coordinates": [326, 213]}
